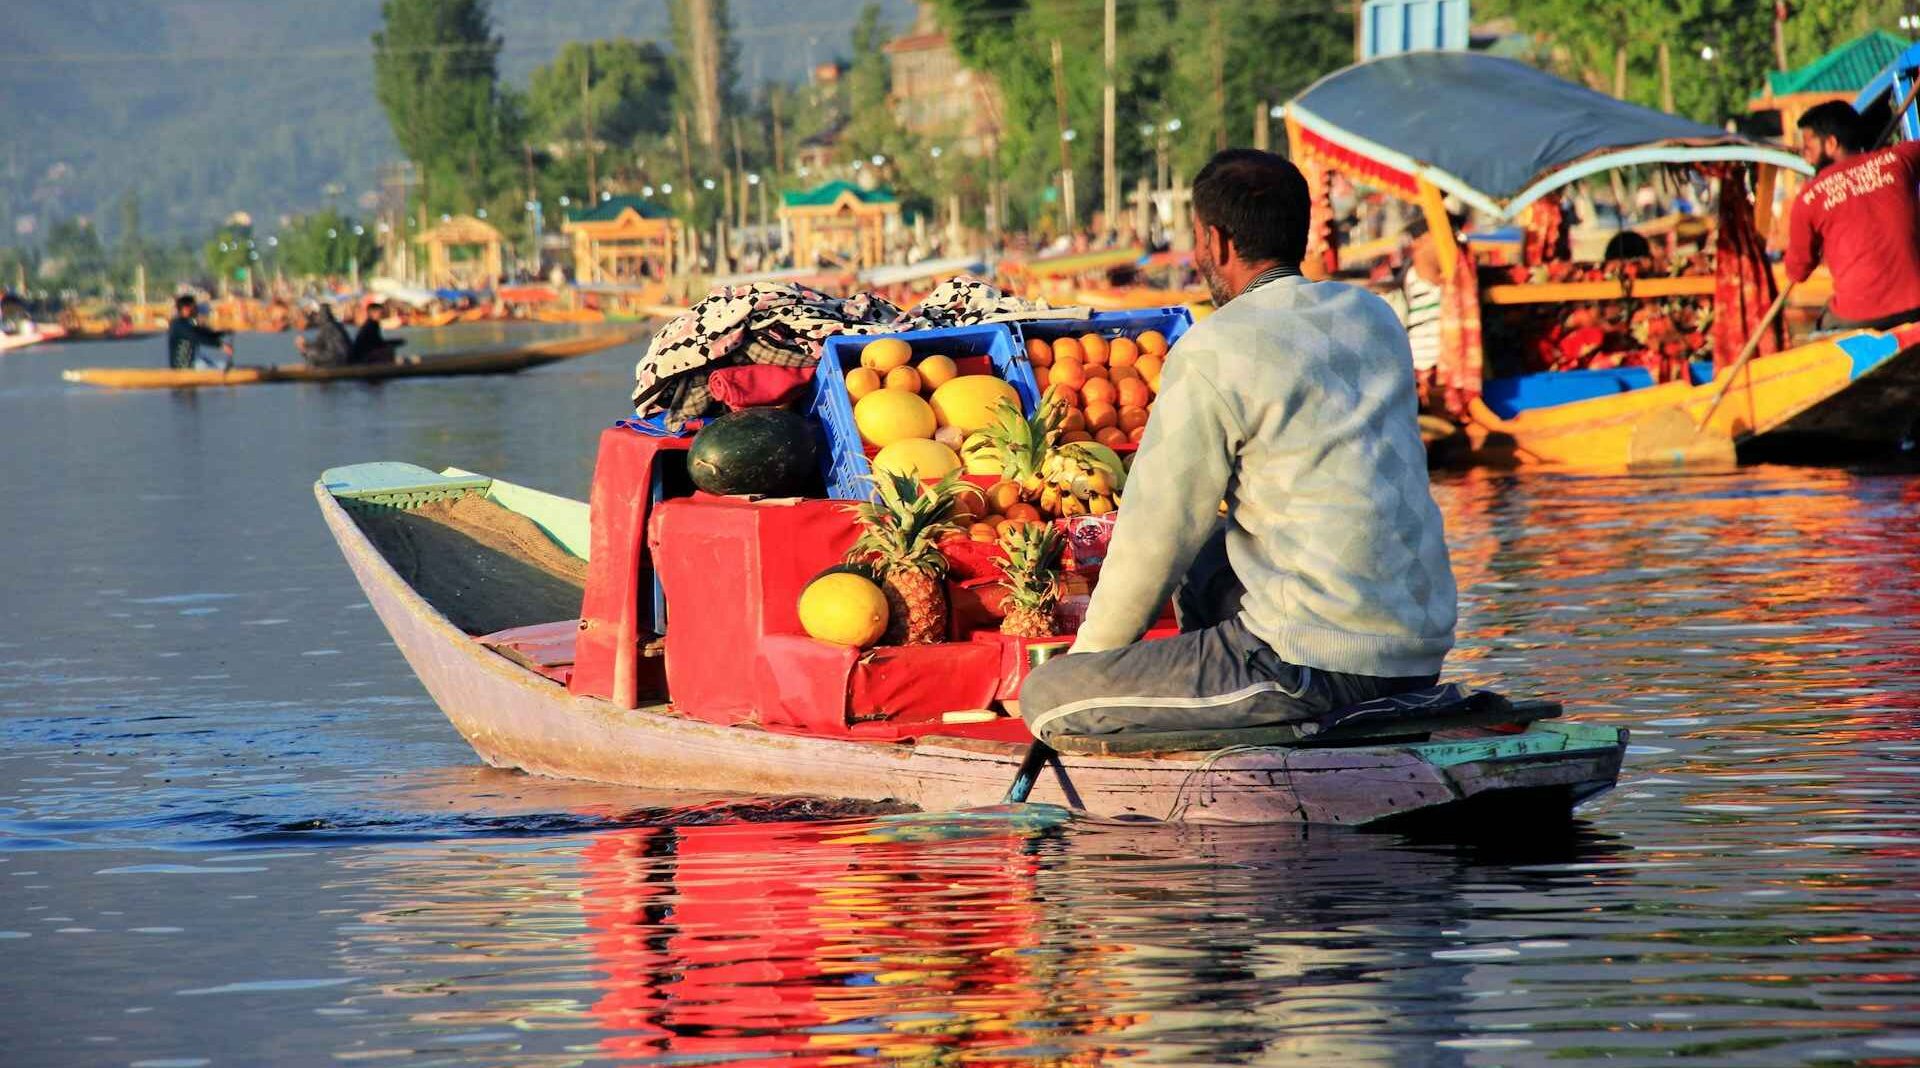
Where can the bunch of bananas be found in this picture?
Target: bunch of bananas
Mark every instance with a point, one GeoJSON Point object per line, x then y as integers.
{"type": "Point", "coordinates": [1080, 478]}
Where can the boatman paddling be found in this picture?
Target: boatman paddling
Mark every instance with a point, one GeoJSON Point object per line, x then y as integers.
{"type": "Point", "coordinates": [1860, 216]}
{"type": "Point", "coordinates": [185, 335]}
{"type": "Point", "coordinates": [1327, 582]}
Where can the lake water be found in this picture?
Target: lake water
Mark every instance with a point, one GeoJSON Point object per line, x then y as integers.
{"type": "Point", "coordinates": [235, 831]}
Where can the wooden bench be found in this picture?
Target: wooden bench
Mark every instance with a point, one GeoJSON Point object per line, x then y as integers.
{"type": "Point", "coordinates": [1481, 708]}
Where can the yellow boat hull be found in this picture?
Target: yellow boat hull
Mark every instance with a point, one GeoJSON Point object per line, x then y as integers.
{"type": "Point", "coordinates": [487, 361]}
{"type": "Point", "coordinates": [1850, 388]}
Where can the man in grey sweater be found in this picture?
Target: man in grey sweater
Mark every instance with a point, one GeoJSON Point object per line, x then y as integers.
{"type": "Point", "coordinates": [1327, 582]}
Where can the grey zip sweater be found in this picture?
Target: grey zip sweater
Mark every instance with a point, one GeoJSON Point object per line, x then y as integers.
{"type": "Point", "coordinates": [1295, 404]}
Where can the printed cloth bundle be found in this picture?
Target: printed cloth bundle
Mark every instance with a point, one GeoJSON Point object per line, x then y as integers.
{"type": "Point", "coordinates": [782, 324]}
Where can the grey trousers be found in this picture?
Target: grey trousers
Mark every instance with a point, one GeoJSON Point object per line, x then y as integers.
{"type": "Point", "coordinates": [1215, 675]}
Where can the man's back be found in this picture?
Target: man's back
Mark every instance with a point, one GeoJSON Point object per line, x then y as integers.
{"type": "Point", "coordinates": [1333, 531]}
{"type": "Point", "coordinates": [1862, 218]}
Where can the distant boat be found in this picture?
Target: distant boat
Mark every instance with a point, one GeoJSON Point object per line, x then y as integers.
{"type": "Point", "coordinates": [497, 360]}
{"type": "Point", "coordinates": [30, 333]}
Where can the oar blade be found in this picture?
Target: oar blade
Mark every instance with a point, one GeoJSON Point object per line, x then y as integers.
{"type": "Point", "coordinates": [1669, 441]}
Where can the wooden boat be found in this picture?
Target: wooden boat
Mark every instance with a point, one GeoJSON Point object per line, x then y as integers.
{"type": "Point", "coordinates": [426, 576]}
{"type": "Point", "coordinates": [1849, 394]}
{"type": "Point", "coordinates": [499, 360]}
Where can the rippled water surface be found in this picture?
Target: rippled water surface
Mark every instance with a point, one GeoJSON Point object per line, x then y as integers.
{"type": "Point", "coordinates": [235, 831]}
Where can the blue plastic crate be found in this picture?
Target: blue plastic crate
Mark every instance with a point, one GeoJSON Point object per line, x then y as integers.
{"type": "Point", "coordinates": [1172, 322]}
{"type": "Point", "coordinates": [843, 458]}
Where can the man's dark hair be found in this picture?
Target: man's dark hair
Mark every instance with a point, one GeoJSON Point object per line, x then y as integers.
{"type": "Point", "coordinates": [1259, 200]}
{"type": "Point", "coordinates": [1838, 120]}
{"type": "Point", "coordinates": [185, 302]}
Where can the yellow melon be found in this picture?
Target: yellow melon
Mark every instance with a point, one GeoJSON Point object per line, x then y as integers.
{"type": "Point", "coordinates": [969, 402]}
{"type": "Point", "coordinates": [844, 609]}
{"type": "Point", "coordinates": [886, 354]}
{"type": "Point", "coordinates": [889, 415]}
{"type": "Point", "coordinates": [918, 457]}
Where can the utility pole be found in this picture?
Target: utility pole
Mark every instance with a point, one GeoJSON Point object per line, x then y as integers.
{"type": "Point", "coordinates": [1109, 175]}
{"type": "Point", "coordinates": [586, 122]}
{"type": "Point", "coordinates": [1066, 154]}
{"type": "Point", "coordinates": [740, 171]}
{"type": "Point", "coordinates": [691, 239]}
{"type": "Point", "coordinates": [1780, 33]}
{"type": "Point", "coordinates": [1219, 50]}
{"type": "Point", "coordinates": [779, 150]}
{"type": "Point", "coordinates": [1620, 71]}
{"type": "Point", "coordinates": [1262, 129]}
{"type": "Point", "coordinates": [1666, 78]}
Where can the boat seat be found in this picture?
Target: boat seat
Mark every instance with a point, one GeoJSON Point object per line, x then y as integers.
{"type": "Point", "coordinates": [1510, 396]}
{"type": "Point", "coordinates": [1409, 716]}
{"type": "Point", "coordinates": [543, 647]}
{"type": "Point", "coordinates": [397, 484]}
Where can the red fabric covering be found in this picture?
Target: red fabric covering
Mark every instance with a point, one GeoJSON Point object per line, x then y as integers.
{"type": "Point", "coordinates": [1459, 372]}
{"type": "Point", "coordinates": [1362, 169]}
{"type": "Point", "coordinates": [1743, 286]}
{"type": "Point", "coordinates": [922, 682]}
{"type": "Point", "coordinates": [1547, 238]}
{"type": "Point", "coordinates": [1862, 219]}
{"type": "Point", "coordinates": [733, 570]}
{"type": "Point", "coordinates": [759, 385]}
{"type": "Point", "coordinates": [614, 621]}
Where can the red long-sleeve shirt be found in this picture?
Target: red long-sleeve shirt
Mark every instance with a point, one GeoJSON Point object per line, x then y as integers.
{"type": "Point", "coordinates": [1863, 218]}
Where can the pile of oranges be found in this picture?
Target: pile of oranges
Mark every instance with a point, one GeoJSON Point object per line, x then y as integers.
{"type": "Point", "coordinates": [1107, 384]}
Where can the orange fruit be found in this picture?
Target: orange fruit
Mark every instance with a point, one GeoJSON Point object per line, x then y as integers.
{"type": "Point", "coordinates": [1066, 348]}
{"type": "Point", "coordinates": [1000, 529]}
{"type": "Point", "coordinates": [1097, 373]}
{"type": "Point", "coordinates": [1003, 495]}
{"type": "Point", "coordinates": [904, 378]}
{"type": "Point", "coordinates": [1102, 416]}
{"type": "Point", "coordinates": [862, 381]}
{"type": "Point", "coordinates": [1134, 393]}
{"type": "Point", "coordinates": [1100, 391]}
{"type": "Point", "coordinates": [1076, 435]}
{"type": "Point", "coordinates": [1069, 373]}
{"type": "Point", "coordinates": [1132, 418]}
{"type": "Point", "coordinates": [1122, 352]}
{"type": "Point", "coordinates": [1044, 376]}
{"type": "Point", "coordinates": [1136, 434]}
{"type": "Point", "coordinates": [982, 531]}
{"type": "Point", "coordinates": [1117, 375]}
{"type": "Point", "coordinates": [1075, 420]}
{"type": "Point", "coordinates": [937, 371]}
{"type": "Point", "coordinates": [1067, 395]}
{"type": "Point", "coordinates": [1152, 343]}
{"type": "Point", "coordinates": [1111, 436]}
{"type": "Point", "coordinates": [1039, 352]}
{"type": "Point", "coordinates": [969, 503]}
{"type": "Point", "coordinates": [886, 354]}
{"type": "Point", "coordinates": [1149, 368]}
{"type": "Point", "coordinates": [1095, 347]}
{"type": "Point", "coordinates": [1023, 513]}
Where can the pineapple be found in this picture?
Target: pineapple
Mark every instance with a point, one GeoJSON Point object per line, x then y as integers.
{"type": "Point", "coordinates": [1032, 579]}
{"type": "Point", "coordinates": [1018, 443]}
{"type": "Point", "coordinates": [900, 536]}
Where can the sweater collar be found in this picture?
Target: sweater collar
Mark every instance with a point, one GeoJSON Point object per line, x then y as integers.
{"type": "Point", "coordinates": [1272, 274]}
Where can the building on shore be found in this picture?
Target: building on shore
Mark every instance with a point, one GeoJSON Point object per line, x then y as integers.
{"type": "Point", "coordinates": [839, 223]}
{"type": "Point", "coordinates": [937, 96]}
{"type": "Point", "coordinates": [622, 239]}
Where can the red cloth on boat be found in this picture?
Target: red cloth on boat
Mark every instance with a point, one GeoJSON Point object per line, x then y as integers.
{"type": "Point", "coordinates": [1743, 286]}
{"type": "Point", "coordinates": [1547, 238]}
{"type": "Point", "coordinates": [1863, 219]}
{"type": "Point", "coordinates": [1460, 371]}
{"type": "Point", "coordinates": [759, 385]}
{"type": "Point", "coordinates": [613, 622]}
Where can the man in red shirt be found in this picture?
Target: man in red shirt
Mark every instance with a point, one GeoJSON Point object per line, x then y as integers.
{"type": "Point", "coordinates": [1861, 215]}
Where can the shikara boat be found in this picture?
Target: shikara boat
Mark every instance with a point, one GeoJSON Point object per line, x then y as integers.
{"type": "Point", "coordinates": [1847, 395]}
{"type": "Point", "coordinates": [496, 360]}
{"type": "Point", "coordinates": [478, 606]}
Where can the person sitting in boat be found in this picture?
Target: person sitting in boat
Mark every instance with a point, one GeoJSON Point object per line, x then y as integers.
{"type": "Point", "coordinates": [1327, 582]}
{"type": "Point", "coordinates": [371, 345]}
{"type": "Point", "coordinates": [1418, 300]}
{"type": "Point", "coordinates": [185, 336]}
{"type": "Point", "coordinates": [329, 346]}
{"type": "Point", "coordinates": [1859, 216]}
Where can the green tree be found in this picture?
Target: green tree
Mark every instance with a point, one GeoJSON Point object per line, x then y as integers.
{"type": "Point", "coordinates": [77, 256]}
{"type": "Point", "coordinates": [629, 86]}
{"type": "Point", "coordinates": [705, 71]}
{"type": "Point", "coordinates": [327, 244]}
{"type": "Point", "coordinates": [230, 254]}
{"type": "Point", "coordinates": [435, 74]}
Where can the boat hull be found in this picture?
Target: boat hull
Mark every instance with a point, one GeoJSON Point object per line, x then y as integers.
{"type": "Point", "coordinates": [516, 718]}
{"type": "Point", "coordinates": [493, 361]}
{"type": "Point", "coordinates": [1852, 394]}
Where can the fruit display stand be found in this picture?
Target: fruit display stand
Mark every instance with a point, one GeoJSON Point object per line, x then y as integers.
{"type": "Point", "coordinates": [975, 350]}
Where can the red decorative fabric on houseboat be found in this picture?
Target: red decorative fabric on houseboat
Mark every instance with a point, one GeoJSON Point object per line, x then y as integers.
{"type": "Point", "coordinates": [1547, 238]}
{"type": "Point", "coordinates": [1459, 372]}
{"type": "Point", "coordinates": [1361, 169]}
{"type": "Point", "coordinates": [1743, 280]}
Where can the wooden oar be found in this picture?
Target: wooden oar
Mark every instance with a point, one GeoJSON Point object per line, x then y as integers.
{"type": "Point", "coordinates": [1037, 756]}
{"type": "Point", "coordinates": [1672, 440]}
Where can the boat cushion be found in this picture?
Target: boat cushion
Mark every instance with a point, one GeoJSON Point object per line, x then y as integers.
{"type": "Point", "coordinates": [543, 647]}
{"type": "Point", "coordinates": [399, 484]}
{"type": "Point", "coordinates": [1509, 397]}
{"type": "Point", "coordinates": [1416, 713]}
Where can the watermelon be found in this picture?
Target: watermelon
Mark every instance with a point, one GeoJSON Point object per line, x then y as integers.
{"type": "Point", "coordinates": [758, 452]}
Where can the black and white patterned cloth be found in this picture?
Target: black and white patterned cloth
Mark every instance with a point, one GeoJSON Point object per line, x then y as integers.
{"type": "Point", "coordinates": [783, 324]}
